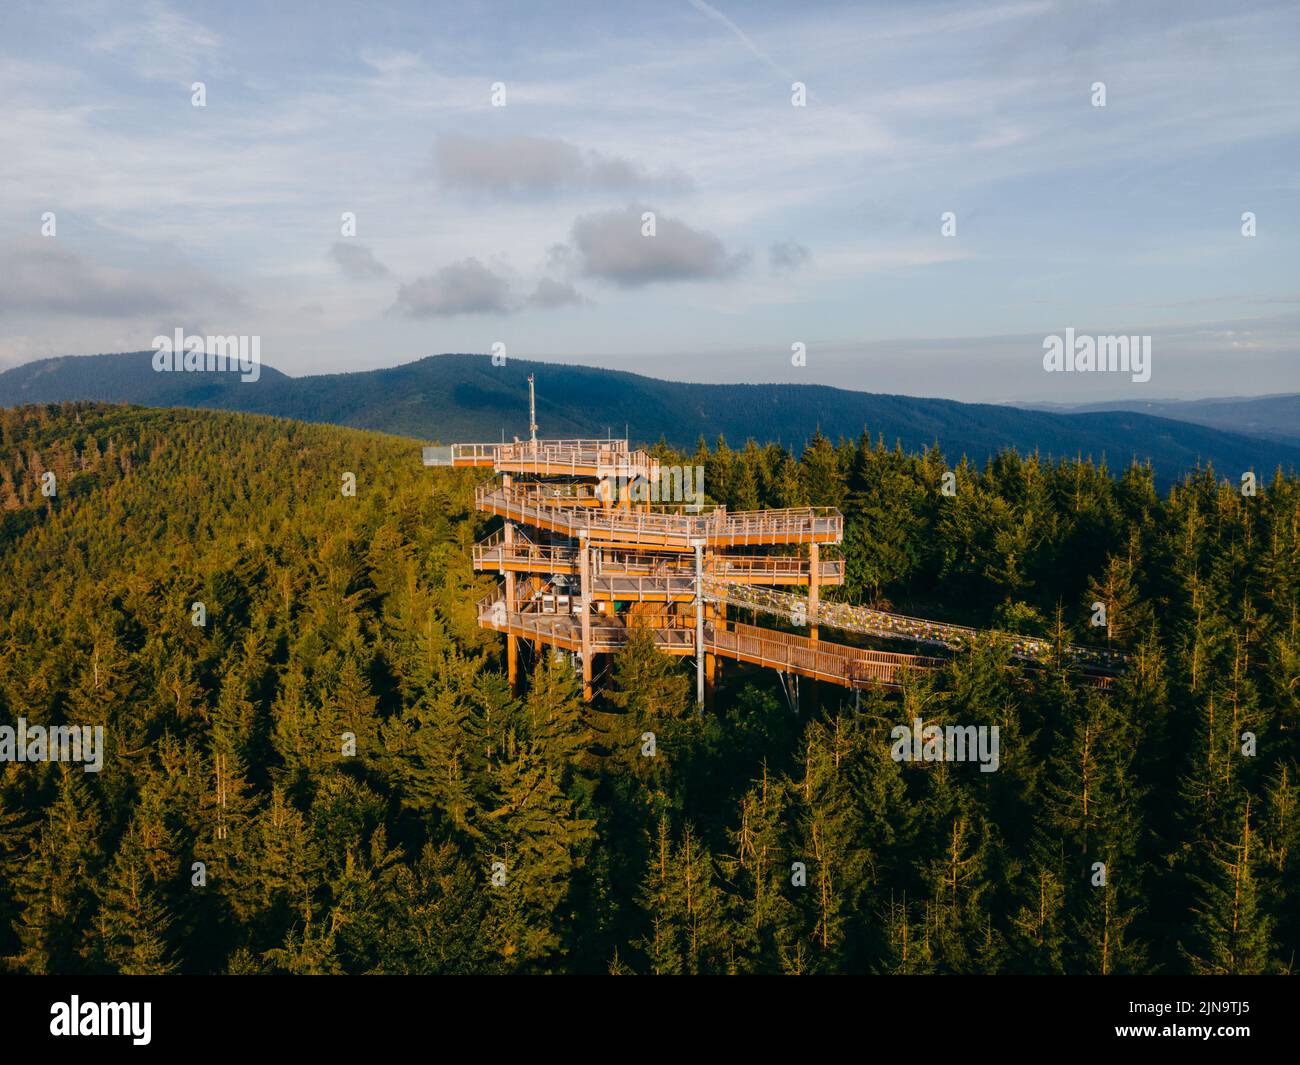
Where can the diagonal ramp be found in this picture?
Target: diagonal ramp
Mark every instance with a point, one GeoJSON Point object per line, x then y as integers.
{"type": "Point", "coordinates": [881, 623]}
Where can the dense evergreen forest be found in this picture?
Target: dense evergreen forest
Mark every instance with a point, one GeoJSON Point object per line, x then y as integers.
{"type": "Point", "coordinates": [474, 831]}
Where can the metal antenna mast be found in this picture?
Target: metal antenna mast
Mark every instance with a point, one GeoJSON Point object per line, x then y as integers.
{"type": "Point", "coordinates": [532, 410]}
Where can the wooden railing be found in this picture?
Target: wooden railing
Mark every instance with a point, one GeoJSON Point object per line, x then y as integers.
{"type": "Point", "coordinates": [565, 630]}
{"type": "Point", "coordinates": [494, 553]}
{"type": "Point", "coordinates": [557, 456]}
{"type": "Point", "coordinates": [532, 556]}
{"type": "Point", "coordinates": [754, 568]}
{"type": "Point", "coordinates": [719, 528]}
{"type": "Point", "coordinates": [615, 445]}
{"type": "Point", "coordinates": [461, 455]}
{"type": "Point", "coordinates": [642, 587]}
{"type": "Point", "coordinates": [851, 666]}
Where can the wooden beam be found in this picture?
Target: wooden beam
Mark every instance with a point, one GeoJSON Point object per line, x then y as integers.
{"type": "Point", "coordinates": [814, 568]}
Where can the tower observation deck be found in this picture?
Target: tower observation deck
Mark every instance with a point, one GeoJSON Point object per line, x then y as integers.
{"type": "Point", "coordinates": [596, 540]}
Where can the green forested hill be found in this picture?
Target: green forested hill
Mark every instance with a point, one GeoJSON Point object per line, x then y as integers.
{"type": "Point", "coordinates": [465, 397]}
{"type": "Point", "coordinates": [329, 615]}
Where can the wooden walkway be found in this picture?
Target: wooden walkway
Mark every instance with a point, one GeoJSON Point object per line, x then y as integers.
{"type": "Point", "coordinates": [851, 667]}
{"type": "Point", "coordinates": [870, 622]}
{"type": "Point", "coordinates": [523, 556]}
{"type": "Point", "coordinates": [658, 531]}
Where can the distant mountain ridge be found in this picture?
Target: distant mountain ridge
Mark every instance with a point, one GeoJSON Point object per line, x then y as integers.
{"type": "Point", "coordinates": [450, 398]}
{"type": "Point", "coordinates": [1276, 417]}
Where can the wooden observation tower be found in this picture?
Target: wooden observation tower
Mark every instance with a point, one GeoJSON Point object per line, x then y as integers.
{"type": "Point", "coordinates": [598, 538]}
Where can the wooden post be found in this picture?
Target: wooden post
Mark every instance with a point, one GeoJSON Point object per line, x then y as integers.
{"type": "Point", "coordinates": [720, 624]}
{"type": "Point", "coordinates": [712, 662]}
{"type": "Point", "coordinates": [584, 570]}
{"type": "Point", "coordinates": [710, 659]}
{"type": "Point", "coordinates": [814, 572]}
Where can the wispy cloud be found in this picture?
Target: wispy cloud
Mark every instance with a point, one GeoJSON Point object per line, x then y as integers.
{"type": "Point", "coordinates": [160, 43]}
{"type": "Point", "coordinates": [357, 261]}
{"type": "Point", "coordinates": [43, 276]}
{"type": "Point", "coordinates": [526, 165]}
{"type": "Point", "coordinates": [709, 11]}
{"type": "Point", "coordinates": [787, 255]}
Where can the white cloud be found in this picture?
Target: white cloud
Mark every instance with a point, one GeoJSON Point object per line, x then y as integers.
{"type": "Point", "coordinates": [42, 276]}
{"type": "Point", "coordinates": [611, 246]}
{"type": "Point", "coordinates": [528, 165]}
{"type": "Point", "coordinates": [357, 261]}
{"type": "Point", "coordinates": [465, 287]}
{"type": "Point", "coordinates": [551, 293]}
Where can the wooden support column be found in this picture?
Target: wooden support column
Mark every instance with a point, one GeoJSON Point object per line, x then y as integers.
{"type": "Point", "coordinates": [710, 659]}
{"type": "Point", "coordinates": [512, 645]}
{"type": "Point", "coordinates": [720, 624]}
{"type": "Point", "coordinates": [699, 623]}
{"type": "Point", "coordinates": [584, 570]}
{"type": "Point", "coordinates": [814, 572]}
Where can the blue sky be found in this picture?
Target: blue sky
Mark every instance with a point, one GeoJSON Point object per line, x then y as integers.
{"type": "Point", "coordinates": [775, 224]}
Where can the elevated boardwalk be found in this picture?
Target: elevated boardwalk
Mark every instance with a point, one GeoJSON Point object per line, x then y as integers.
{"type": "Point", "coordinates": [523, 556]}
{"type": "Point", "coordinates": [870, 622]}
{"type": "Point", "coordinates": [852, 667]}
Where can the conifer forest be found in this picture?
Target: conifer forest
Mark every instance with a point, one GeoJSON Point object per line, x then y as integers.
{"type": "Point", "coordinates": [229, 832]}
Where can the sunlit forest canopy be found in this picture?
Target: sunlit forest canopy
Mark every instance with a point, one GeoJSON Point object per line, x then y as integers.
{"type": "Point", "coordinates": [234, 827]}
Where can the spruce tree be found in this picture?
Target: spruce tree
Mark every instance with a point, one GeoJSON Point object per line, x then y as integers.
{"type": "Point", "coordinates": [1231, 933]}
